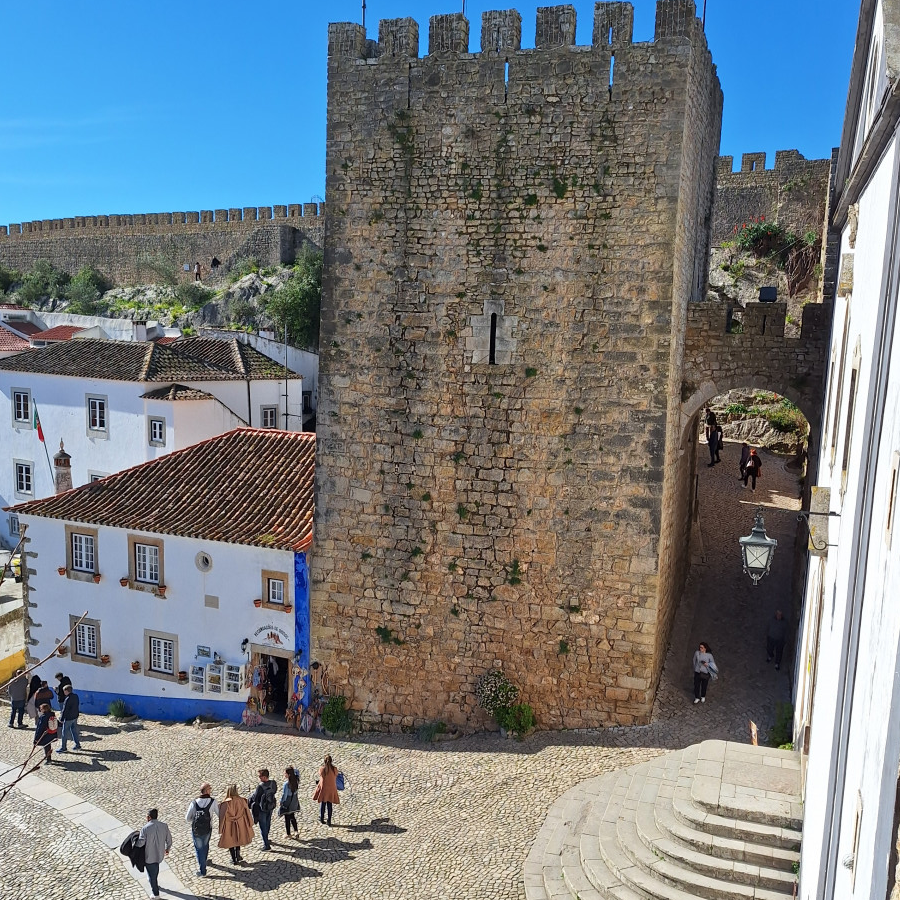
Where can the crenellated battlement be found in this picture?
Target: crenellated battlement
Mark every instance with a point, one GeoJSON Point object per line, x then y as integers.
{"type": "Point", "coordinates": [787, 162]}
{"type": "Point", "coordinates": [294, 213]}
{"type": "Point", "coordinates": [501, 31]}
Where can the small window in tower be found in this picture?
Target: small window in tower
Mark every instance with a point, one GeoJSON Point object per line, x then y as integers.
{"type": "Point", "coordinates": [492, 354]}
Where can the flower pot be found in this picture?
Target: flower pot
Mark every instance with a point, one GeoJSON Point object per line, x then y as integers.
{"type": "Point", "coordinates": [62, 650]}
{"type": "Point", "coordinates": [257, 603]}
{"type": "Point", "coordinates": [123, 582]}
{"type": "Point", "coordinates": [161, 590]}
{"type": "Point", "coordinates": [135, 666]}
{"type": "Point", "coordinates": [182, 676]}
{"type": "Point", "coordinates": [96, 579]}
{"type": "Point", "coordinates": [61, 570]}
{"type": "Point", "coordinates": [288, 608]}
{"type": "Point", "coordinates": [104, 660]}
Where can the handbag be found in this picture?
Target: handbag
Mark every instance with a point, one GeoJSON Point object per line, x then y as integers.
{"type": "Point", "coordinates": [339, 782]}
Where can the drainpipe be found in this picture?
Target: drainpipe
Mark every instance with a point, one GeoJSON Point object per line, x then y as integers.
{"type": "Point", "coordinates": [249, 407]}
{"type": "Point", "coordinates": [860, 549]}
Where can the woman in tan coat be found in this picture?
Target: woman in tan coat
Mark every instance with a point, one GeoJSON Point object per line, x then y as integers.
{"type": "Point", "coordinates": [326, 792]}
{"type": "Point", "coordinates": [235, 823]}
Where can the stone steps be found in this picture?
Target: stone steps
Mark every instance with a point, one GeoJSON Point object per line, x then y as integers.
{"type": "Point", "coordinates": [689, 824]}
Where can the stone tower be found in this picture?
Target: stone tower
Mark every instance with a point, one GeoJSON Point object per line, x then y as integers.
{"type": "Point", "coordinates": [512, 240]}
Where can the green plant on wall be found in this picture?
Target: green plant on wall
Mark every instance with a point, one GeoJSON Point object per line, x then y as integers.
{"type": "Point", "coordinates": [336, 718]}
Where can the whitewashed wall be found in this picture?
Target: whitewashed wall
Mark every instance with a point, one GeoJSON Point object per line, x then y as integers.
{"type": "Point", "coordinates": [124, 613]}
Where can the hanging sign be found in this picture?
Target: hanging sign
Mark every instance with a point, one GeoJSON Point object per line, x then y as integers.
{"type": "Point", "coordinates": [273, 636]}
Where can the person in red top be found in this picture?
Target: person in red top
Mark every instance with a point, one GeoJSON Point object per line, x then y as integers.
{"type": "Point", "coordinates": [753, 467]}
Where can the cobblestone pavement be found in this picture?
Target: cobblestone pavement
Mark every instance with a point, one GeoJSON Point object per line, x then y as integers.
{"type": "Point", "coordinates": [452, 820]}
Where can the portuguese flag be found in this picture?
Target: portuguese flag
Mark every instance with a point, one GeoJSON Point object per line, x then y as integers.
{"type": "Point", "coordinates": [37, 424]}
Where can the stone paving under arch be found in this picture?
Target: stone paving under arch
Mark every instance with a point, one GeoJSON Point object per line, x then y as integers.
{"type": "Point", "coordinates": [453, 820]}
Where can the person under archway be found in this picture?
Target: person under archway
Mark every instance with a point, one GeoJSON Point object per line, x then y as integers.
{"type": "Point", "coordinates": [753, 468]}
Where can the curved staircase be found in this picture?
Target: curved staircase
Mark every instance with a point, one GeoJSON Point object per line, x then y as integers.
{"type": "Point", "coordinates": [717, 820]}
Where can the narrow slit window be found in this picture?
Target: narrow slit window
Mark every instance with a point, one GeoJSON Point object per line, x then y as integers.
{"type": "Point", "coordinates": [848, 430]}
{"type": "Point", "coordinates": [492, 353]}
{"type": "Point", "coordinates": [610, 35]}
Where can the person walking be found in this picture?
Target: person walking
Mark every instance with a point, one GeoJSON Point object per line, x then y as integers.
{"type": "Point", "coordinates": [68, 719]}
{"type": "Point", "coordinates": [199, 816]}
{"type": "Point", "coordinates": [326, 793]}
{"type": "Point", "coordinates": [290, 802]}
{"type": "Point", "coordinates": [712, 437]}
{"type": "Point", "coordinates": [776, 634]}
{"type": "Point", "coordinates": [704, 669]}
{"type": "Point", "coordinates": [31, 704]}
{"type": "Point", "coordinates": [753, 468]}
{"type": "Point", "coordinates": [17, 691]}
{"type": "Point", "coordinates": [59, 690]}
{"type": "Point", "coordinates": [46, 731]}
{"type": "Point", "coordinates": [745, 455]}
{"type": "Point", "coordinates": [156, 839]}
{"type": "Point", "coordinates": [197, 271]}
{"type": "Point", "coordinates": [262, 805]}
{"type": "Point", "coordinates": [235, 823]}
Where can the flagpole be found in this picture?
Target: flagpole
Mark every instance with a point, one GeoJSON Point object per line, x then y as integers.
{"type": "Point", "coordinates": [40, 431]}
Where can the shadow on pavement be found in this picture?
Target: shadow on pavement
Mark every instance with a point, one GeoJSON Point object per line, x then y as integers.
{"type": "Point", "coordinates": [265, 875]}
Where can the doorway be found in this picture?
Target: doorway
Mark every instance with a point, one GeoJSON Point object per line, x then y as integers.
{"type": "Point", "coordinates": [270, 681]}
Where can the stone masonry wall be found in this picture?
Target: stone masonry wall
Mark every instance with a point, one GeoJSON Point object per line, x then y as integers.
{"type": "Point", "coordinates": [793, 194]}
{"type": "Point", "coordinates": [511, 242]}
{"type": "Point", "coordinates": [121, 246]}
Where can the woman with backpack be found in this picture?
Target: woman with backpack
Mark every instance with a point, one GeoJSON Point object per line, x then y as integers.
{"type": "Point", "coordinates": [199, 816]}
{"type": "Point", "coordinates": [326, 792]}
{"type": "Point", "coordinates": [46, 731]}
{"type": "Point", "coordinates": [290, 802]}
{"type": "Point", "coordinates": [235, 823]}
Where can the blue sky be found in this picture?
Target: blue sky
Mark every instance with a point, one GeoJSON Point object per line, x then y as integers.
{"type": "Point", "coordinates": [124, 107]}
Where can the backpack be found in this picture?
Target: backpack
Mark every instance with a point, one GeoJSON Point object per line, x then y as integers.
{"type": "Point", "coordinates": [339, 782]}
{"type": "Point", "coordinates": [268, 802]}
{"type": "Point", "coordinates": [52, 725]}
{"type": "Point", "coordinates": [201, 824]}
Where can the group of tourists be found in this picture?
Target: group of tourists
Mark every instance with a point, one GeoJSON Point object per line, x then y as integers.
{"type": "Point", "coordinates": [236, 817]}
{"type": "Point", "coordinates": [750, 465]}
{"type": "Point", "coordinates": [36, 698]}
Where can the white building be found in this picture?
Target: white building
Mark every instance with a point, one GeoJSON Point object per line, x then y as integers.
{"type": "Point", "coordinates": [848, 692]}
{"type": "Point", "coordinates": [115, 404]}
{"type": "Point", "coordinates": [192, 571]}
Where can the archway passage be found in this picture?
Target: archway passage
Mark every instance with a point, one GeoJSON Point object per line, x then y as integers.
{"type": "Point", "coordinates": [720, 605]}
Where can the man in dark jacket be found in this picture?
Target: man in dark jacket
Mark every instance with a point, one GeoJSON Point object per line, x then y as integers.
{"type": "Point", "coordinates": [68, 720]}
{"type": "Point", "coordinates": [134, 852]}
{"type": "Point", "coordinates": [776, 636]}
{"type": "Point", "coordinates": [18, 692]}
{"type": "Point", "coordinates": [262, 804]}
{"type": "Point", "coordinates": [61, 682]}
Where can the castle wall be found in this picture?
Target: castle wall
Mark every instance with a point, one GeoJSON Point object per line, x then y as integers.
{"type": "Point", "coordinates": [125, 248]}
{"type": "Point", "coordinates": [794, 193]}
{"type": "Point", "coordinates": [497, 501]}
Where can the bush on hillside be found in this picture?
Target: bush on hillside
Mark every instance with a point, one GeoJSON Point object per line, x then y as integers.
{"type": "Point", "coordinates": [84, 291]}
{"type": "Point", "coordinates": [192, 295]}
{"type": "Point", "coordinates": [8, 277]}
{"type": "Point", "coordinates": [297, 303]}
{"type": "Point", "coordinates": [43, 282]}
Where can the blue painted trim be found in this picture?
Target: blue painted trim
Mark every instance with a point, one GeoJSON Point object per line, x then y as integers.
{"type": "Point", "coordinates": [301, 623]}
{"type": "Point", "coordinates": [163, 709]}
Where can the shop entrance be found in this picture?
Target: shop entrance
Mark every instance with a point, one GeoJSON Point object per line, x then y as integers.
{"type": "Point", "coordinates": [270, 680]}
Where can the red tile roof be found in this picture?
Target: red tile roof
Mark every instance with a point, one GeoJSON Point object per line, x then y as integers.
{"type": "Point", "coordinates": [167, 340]}
{"type": "Point", "coordinates": [23, 327]}
{"type": "Point", "coordinates": [10, 341]}
{"type": "Point", "coordinates": [59, 333]}
{"type": "Point", "coordinates": [249, 486]}
{"type": "Point", "coordinates": [191, 359]}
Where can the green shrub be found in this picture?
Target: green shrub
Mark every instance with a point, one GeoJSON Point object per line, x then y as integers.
{"type": "Point", "coordinates": [84, 291]}
{"type": "Point", "coordinates": [8, 277]}
{"type": "Point", "coordinates": [496, 694]}
{"type": "Point", "coordinates": [43, 282]}
{"type": "Point", "coordinates": [426, 732]}
{"type": "Point", "coordinates": [336, 718]}
{"type": "Point", "coordinates": [519, 719]}
{"type": "Point", "coordinates": [736, 409]}
{"type": "Point", "coordinates": [192, 295]}
{"type": "Point", "coordinates": [762, 238]}
{"type": "Point", "coordinates": [118, 709]}
{"type": "Point", "coordinates": [787, 421]}
{"type": "Point", "coordinates": [297, 303]}
{"type": "Point", "coordinates": [247, 265]}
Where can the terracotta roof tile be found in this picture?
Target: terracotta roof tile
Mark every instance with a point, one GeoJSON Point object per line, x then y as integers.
{"type": "Point", "coordinates": [177, 392]}
{"type": "Point", "coordinates": [10, 341]}
{"type": "Point", "coordinates": [249, 486]}
{"type": "Point", "coordinates": [24, 327]}
{"type": "Point", "coordinates": [191, 359]}
{"type": "Point", "coordinates": [59, 333]}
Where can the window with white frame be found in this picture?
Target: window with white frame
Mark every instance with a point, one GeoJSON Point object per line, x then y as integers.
{"type": "Point", "coordinates": [96, 476]}
{"type": "Point", "coordinates": [86, 640]}
{"type": "Point", "coordinates": [21, 407]}
{"type": "Point", "coordinates": [146, 563]}
{"type": "Point", "coordinates": [269, 417]}
{"type": "Point", "coordinates": [276, 591]}
{"type": "Point", "coordinates": [162, 655]}
{"type": "Point", "coordinates": [82, 552]}
{"type": "Point", "coordinates": [14, 525]}
{"type": "Point", "coordinates": [157, 429]}
{"type": "Point", "coordinates": [96, 411]}
{"type": "Point", "coordinates": [24, 481]}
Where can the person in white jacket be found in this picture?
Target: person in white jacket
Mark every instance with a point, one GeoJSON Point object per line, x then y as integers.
{"type": "Point", "coordinates": [704, 669]}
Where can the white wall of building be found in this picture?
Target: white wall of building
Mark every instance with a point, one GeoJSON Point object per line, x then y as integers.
{"type": "Point", "coordinates": [124, 613]}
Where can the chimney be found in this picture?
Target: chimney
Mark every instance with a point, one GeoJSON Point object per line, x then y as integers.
{"type": "Point", "coordinates": [139, 331]}
{"type": "Point", "coordinates": [62, 470]}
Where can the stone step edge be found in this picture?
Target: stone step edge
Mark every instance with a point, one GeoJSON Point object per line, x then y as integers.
{"type": "Point", "coordinates": [773, 812]}
{"type": "Point", "coordinates": [711, 823]}
{"type": "Point", "coordinates": [693, 859]}
{"type": "Point", "coordinates": [658, 866]}
{"type": "Point", "coordinates": [723, 847]}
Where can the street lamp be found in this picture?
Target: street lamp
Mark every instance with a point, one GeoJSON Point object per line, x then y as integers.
{"type": "Point", "coordinates": [757, 549]}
